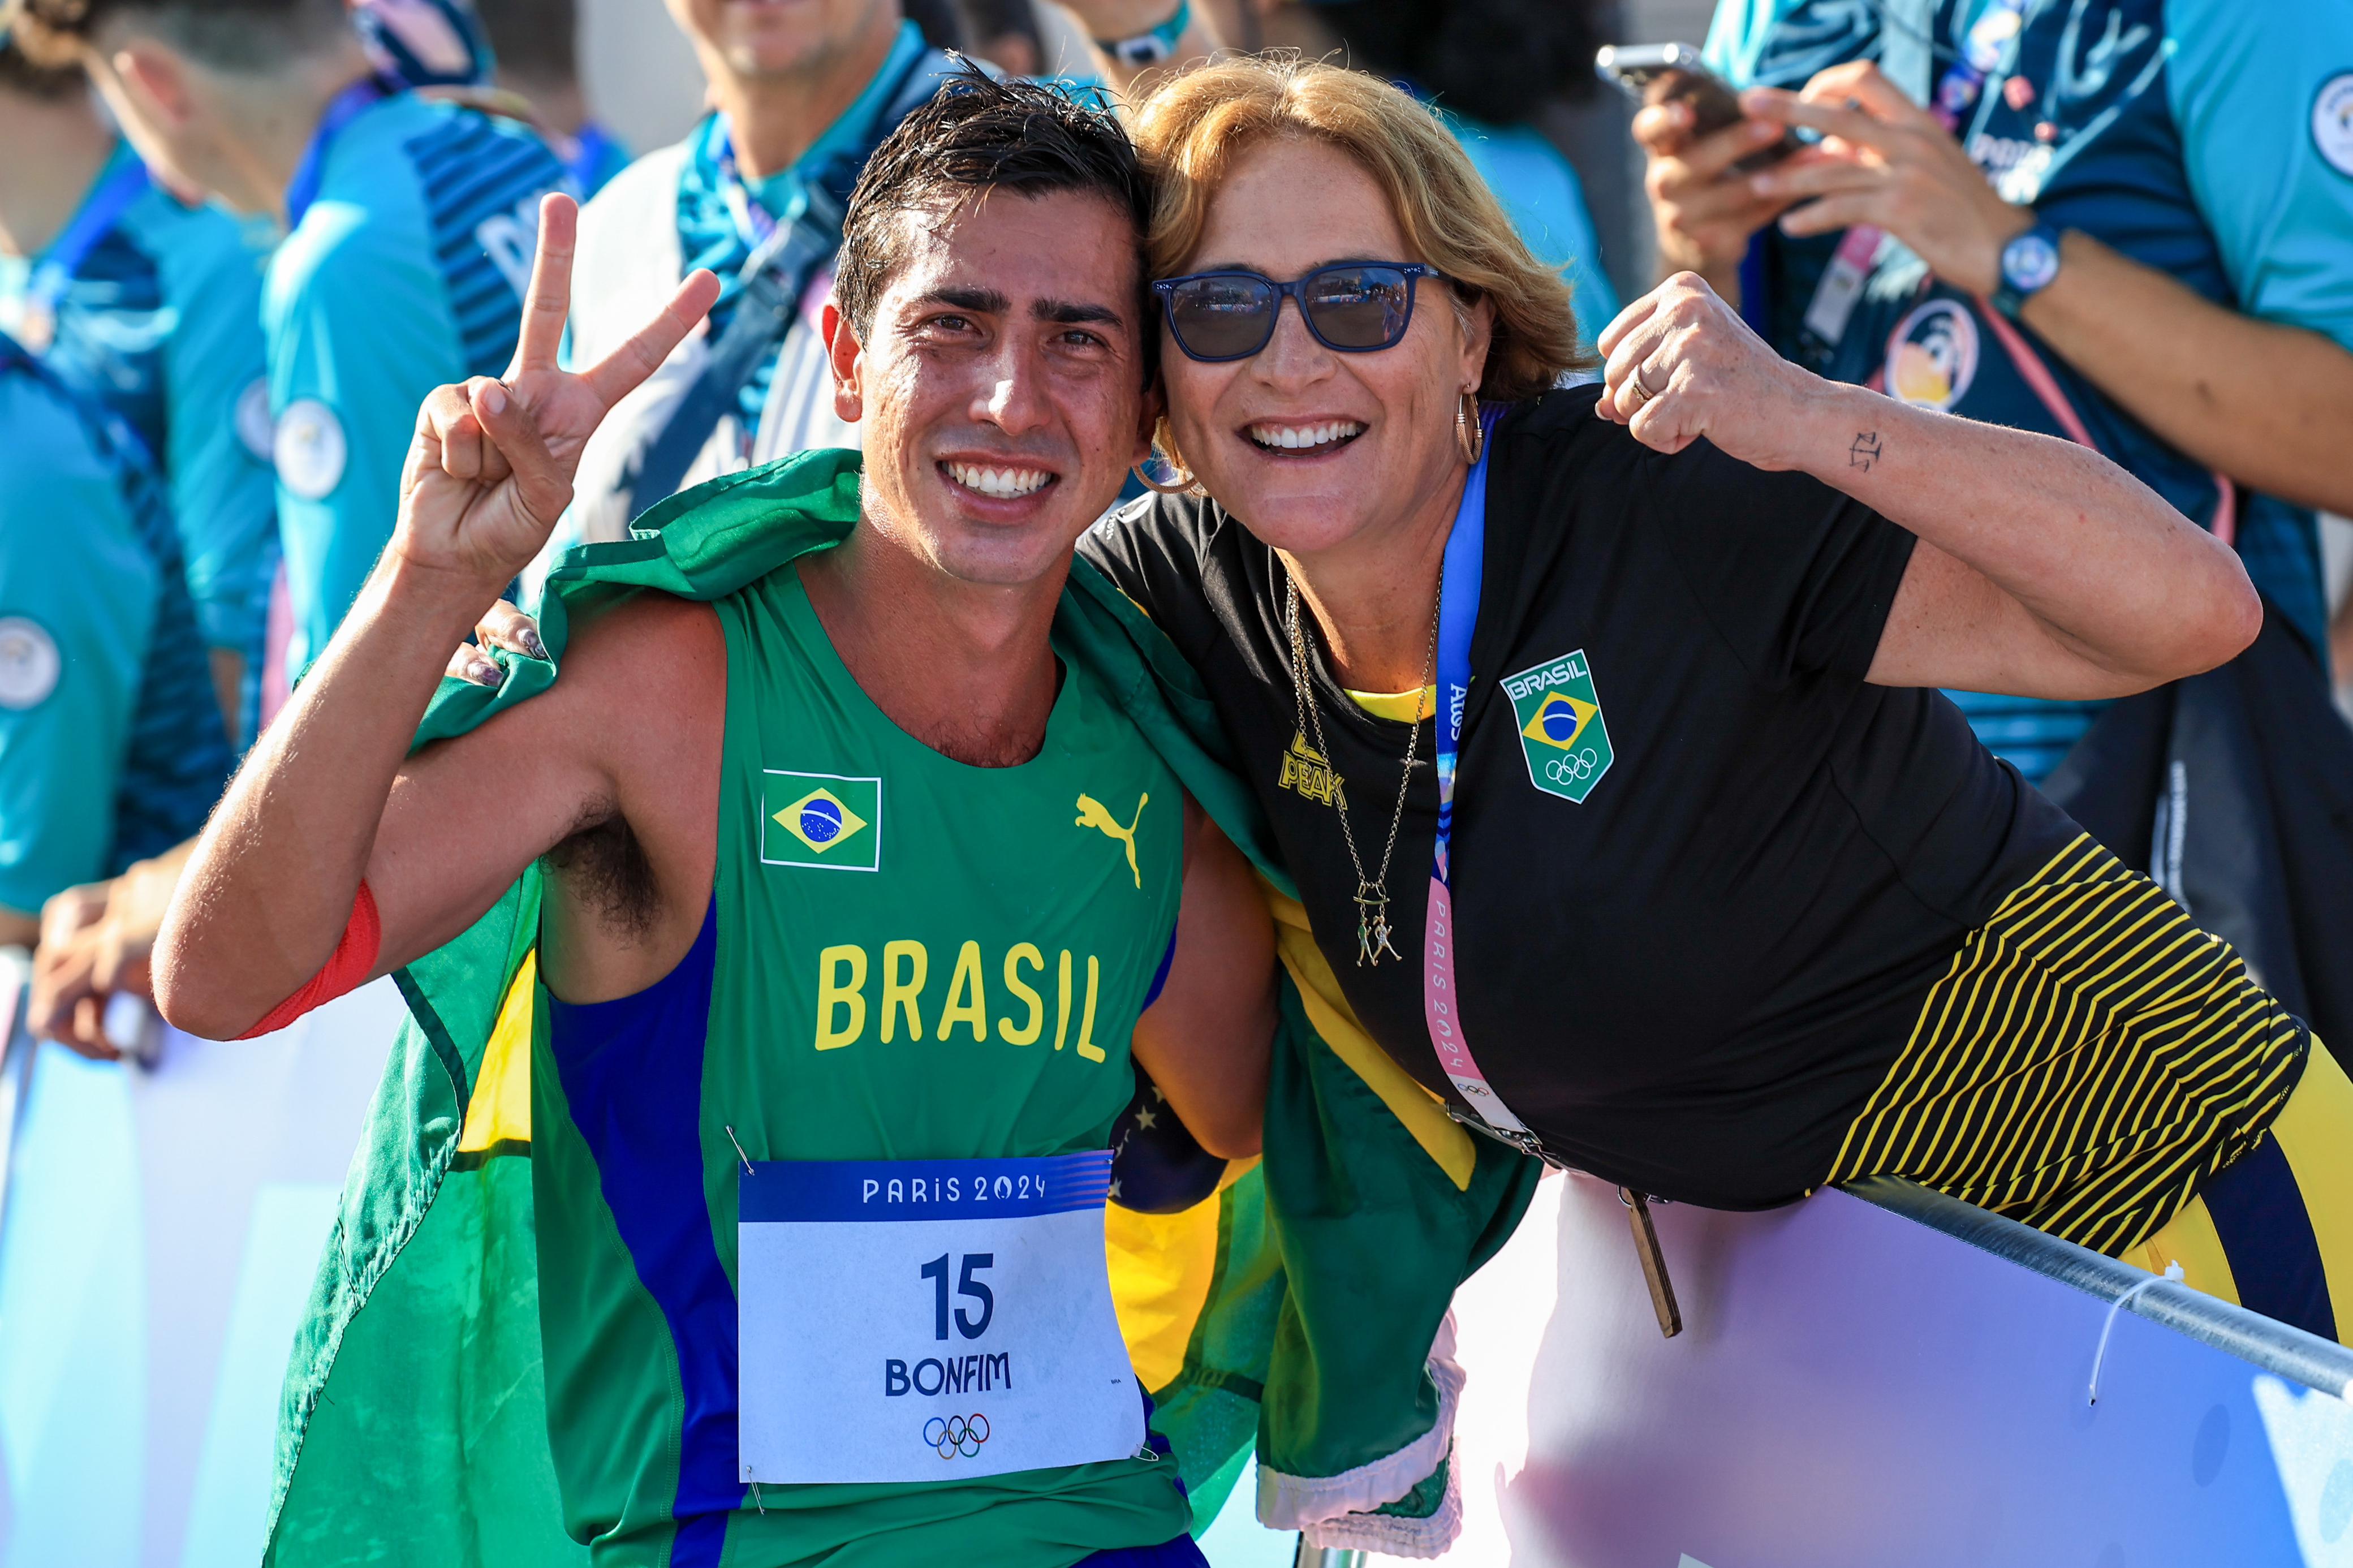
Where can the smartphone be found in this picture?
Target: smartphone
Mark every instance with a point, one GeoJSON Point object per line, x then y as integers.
{"type": "Point", "coordinates": [1665, 73]}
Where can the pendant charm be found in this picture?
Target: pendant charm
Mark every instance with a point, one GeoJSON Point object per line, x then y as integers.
{"type": "Point", "coordinates": [1373, 931]}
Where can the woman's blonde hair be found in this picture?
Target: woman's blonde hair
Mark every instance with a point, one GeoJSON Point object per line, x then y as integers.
{"type": "Point", "coordinates": [1193, 126]}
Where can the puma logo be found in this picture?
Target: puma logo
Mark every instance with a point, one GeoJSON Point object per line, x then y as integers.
{"type": "Point", "coordinates": [1092, 815]}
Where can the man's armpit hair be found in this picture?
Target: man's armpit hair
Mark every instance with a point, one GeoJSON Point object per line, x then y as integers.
{"type": "Point", "coordinates": [601, 861]}
{"type": "Point", "coordinates": [252, 37]}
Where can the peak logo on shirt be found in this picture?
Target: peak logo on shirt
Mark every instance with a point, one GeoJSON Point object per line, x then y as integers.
{"type": "Point", "coordinates": [1310, 773]}
{"type": "Point", "coordinates": [1562, 732]}
{"type": "Point", "coordinates": [820, 820]}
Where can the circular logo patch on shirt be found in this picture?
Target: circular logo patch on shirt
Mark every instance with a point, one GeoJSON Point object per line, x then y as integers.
{"type": "Point", "coordinates": [252, 419]}
{"type": "Point", "coordinates": [1933, 356]}
{"type": "Point", "coordinates": [310, 450]}
{"type": "Point", "coordinates": [29, 663]}
{"type": "Point", "coordinates": [2332, 121]}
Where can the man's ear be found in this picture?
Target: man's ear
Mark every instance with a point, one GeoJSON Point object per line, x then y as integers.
{"type": "Point", "coordinates": [841, 346]}
{"type": "Point", "coordinates": [156, 82]}
{"type": "Point", "coordinates": [1148, 412]}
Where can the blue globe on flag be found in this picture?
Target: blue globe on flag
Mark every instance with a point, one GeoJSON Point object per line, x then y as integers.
{"type": "Point", "coordinates": [820, 820]}
{"type": "Point", "coordinates": [1559, 723]}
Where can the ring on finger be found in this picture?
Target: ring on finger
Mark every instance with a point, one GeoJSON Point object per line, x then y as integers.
{"type": "Point", "coordinates": [1642, 392]}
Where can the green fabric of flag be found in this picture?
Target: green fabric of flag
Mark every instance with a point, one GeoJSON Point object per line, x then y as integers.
{"type": "Point", "coordinates": [413, 1426]}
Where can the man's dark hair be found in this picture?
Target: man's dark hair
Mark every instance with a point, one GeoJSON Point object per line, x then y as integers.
{"type": "Point", "coordinates": [537, 40]}
{"type": "Point", "coordinates": [250, 36]}
{"type": "Point", "coordinates": [25, 79]}
{"type": "Point", "coordinates": [981, 134]}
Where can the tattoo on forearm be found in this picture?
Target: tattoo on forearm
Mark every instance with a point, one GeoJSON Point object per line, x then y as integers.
{"type": "Point", "coordinates": [1865, 450]}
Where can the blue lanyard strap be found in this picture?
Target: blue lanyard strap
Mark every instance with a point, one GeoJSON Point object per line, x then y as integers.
{"type": "Point", "coordinates": [72, 247]}
{"type": "Point", "coordinates": [1458, 616]}
{"type": "Point", "coordinates": [754, 222]}
{"type": "Point", "coordinates": [342, 109]}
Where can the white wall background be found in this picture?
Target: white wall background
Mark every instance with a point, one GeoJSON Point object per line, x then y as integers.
{"type": "Point", "coordinates": [639, 70]}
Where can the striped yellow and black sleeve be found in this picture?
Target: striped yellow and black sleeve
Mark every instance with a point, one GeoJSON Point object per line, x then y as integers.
{"type": "Point", "coordinates": [2088, 1063]}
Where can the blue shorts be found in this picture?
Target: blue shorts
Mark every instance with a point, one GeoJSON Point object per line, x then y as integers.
{"type": "Point", "coordinates": [1181, 1552]}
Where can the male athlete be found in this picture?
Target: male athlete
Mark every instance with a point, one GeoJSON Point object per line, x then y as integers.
{"type": "Point", "coordinates": [845, 866]}
{"type": "Point", "coordinates": [801, 95]}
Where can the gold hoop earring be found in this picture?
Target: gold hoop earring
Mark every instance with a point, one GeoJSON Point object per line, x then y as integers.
{"type": "Point", "coordinates": [1186, 485]}
{"type": "Point", "coordinates": [1469, 431]}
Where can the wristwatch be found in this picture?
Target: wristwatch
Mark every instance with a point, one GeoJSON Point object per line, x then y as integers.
{"type": "Point", "coordinates": [2029, 263]}
{"type": "Point", "coordinates": [1150, 48]}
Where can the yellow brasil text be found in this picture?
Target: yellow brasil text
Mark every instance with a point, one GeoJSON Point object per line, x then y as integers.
{"type": "Point", "coordinates": [903, 971]}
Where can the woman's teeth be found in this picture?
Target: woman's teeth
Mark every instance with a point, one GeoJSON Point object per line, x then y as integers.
{"type": "Point", "coordinates": [1298, 437]}
{"type": "Point", "coordinates": [1003, 484]}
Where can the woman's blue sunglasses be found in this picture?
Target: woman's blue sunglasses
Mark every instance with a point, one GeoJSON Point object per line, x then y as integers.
{"type": "Point", "coordinates": [1352, 307]}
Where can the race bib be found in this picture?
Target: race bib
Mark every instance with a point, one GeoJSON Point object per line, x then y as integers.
{"type": "Point", "coordinates": [928, 1320]}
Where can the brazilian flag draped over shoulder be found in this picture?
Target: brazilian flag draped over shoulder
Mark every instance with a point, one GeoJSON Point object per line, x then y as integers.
{"type": "Point", "coordinates": [1298, 1309]}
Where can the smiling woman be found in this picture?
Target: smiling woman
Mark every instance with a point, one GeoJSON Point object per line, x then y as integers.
{"type": "Point", "coordinates": [1600, 750]}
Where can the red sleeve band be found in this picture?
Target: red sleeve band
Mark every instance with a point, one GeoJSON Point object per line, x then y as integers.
{"type": "Point", "coordinates": [346, 968]}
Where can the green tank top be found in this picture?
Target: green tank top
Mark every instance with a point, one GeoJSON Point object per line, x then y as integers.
{"type": "Point", "coordinates": [906, 958]}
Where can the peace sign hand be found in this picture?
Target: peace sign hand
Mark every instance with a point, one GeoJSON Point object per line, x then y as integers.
{"type": "Point", "coordinates": [491, 467]}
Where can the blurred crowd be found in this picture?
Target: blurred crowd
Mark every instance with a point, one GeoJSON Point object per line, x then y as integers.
{"type": "Point", "coordinates": [240, 241]}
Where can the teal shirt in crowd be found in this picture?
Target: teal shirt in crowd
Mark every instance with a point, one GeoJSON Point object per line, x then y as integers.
{"type": "Point", "coordinates": [159, 321]}
{"type": "Point", "coordinates": [2207, 140]}
{"type": "Point", "coordinates": [405, 271]}
{"type": "Point", "coordinates": [111, 747]}
{"type": "Point", "coordinates": [1541, 195]}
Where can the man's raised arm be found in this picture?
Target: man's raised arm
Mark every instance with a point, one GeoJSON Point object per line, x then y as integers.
{"type": "Point", "coordinates": [274, 897]}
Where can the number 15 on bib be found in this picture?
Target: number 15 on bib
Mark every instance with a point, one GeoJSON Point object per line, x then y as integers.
{"type": "Point", "coordinates": [928, 1320]}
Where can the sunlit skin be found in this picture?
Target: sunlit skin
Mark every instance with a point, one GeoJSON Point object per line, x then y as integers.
{"type": "Point", "coordinates": [236, 136]}
{"type": "Point", "coordinates": [769, 38]}
{"type": "Point", "coordinates": [783, 70]}
{"type": "Point", "coordinates": [999, 354]}
{"type": "Point", "coordinates": [1360, 508]}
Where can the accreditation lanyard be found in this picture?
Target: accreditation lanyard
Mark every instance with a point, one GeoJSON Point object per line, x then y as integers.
{"type": "Point", "coordinates": [54, 274]}
{"type": "Point", "coordinates": [756, 226]}
{"type": "Point", "coordinates": [1458, 616]}
{"type": "Point", "coordinates": [1957, 94]}
{"type": "Point", "coordinates": [342, 109]}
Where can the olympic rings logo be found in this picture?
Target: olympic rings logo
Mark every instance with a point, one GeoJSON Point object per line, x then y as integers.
{"type": "Point", "coordinates": [1571, 769]}
{"type": "Point", "coordinates": [954, 1435]}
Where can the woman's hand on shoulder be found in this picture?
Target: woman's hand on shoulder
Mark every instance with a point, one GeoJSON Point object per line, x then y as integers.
{"type": "Point", "coordinates": [1683, 365]}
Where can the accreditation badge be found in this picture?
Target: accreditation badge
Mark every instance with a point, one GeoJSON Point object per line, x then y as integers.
{"type": "Point", "coordinates": [927, 1321]}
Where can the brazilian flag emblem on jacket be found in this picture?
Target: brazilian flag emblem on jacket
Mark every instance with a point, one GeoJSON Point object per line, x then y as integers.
{"type": "Point", "coordinates": [820, 819]}
{"type": "Point", "coordinates": [1561, 729]}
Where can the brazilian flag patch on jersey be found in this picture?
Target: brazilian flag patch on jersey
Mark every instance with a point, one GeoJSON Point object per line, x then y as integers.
{"type": "Point", "coordinates": [1561, 727]}
{"type": "Point", "coordinates": [820, 819]}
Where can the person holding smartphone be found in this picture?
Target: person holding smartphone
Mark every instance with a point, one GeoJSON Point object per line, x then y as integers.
{"type": "Point", "coordinates": [2122, 225]}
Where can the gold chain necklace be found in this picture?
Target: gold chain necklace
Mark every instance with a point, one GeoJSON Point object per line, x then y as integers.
{"type": "Point", "coordinates": [1373, 928]}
